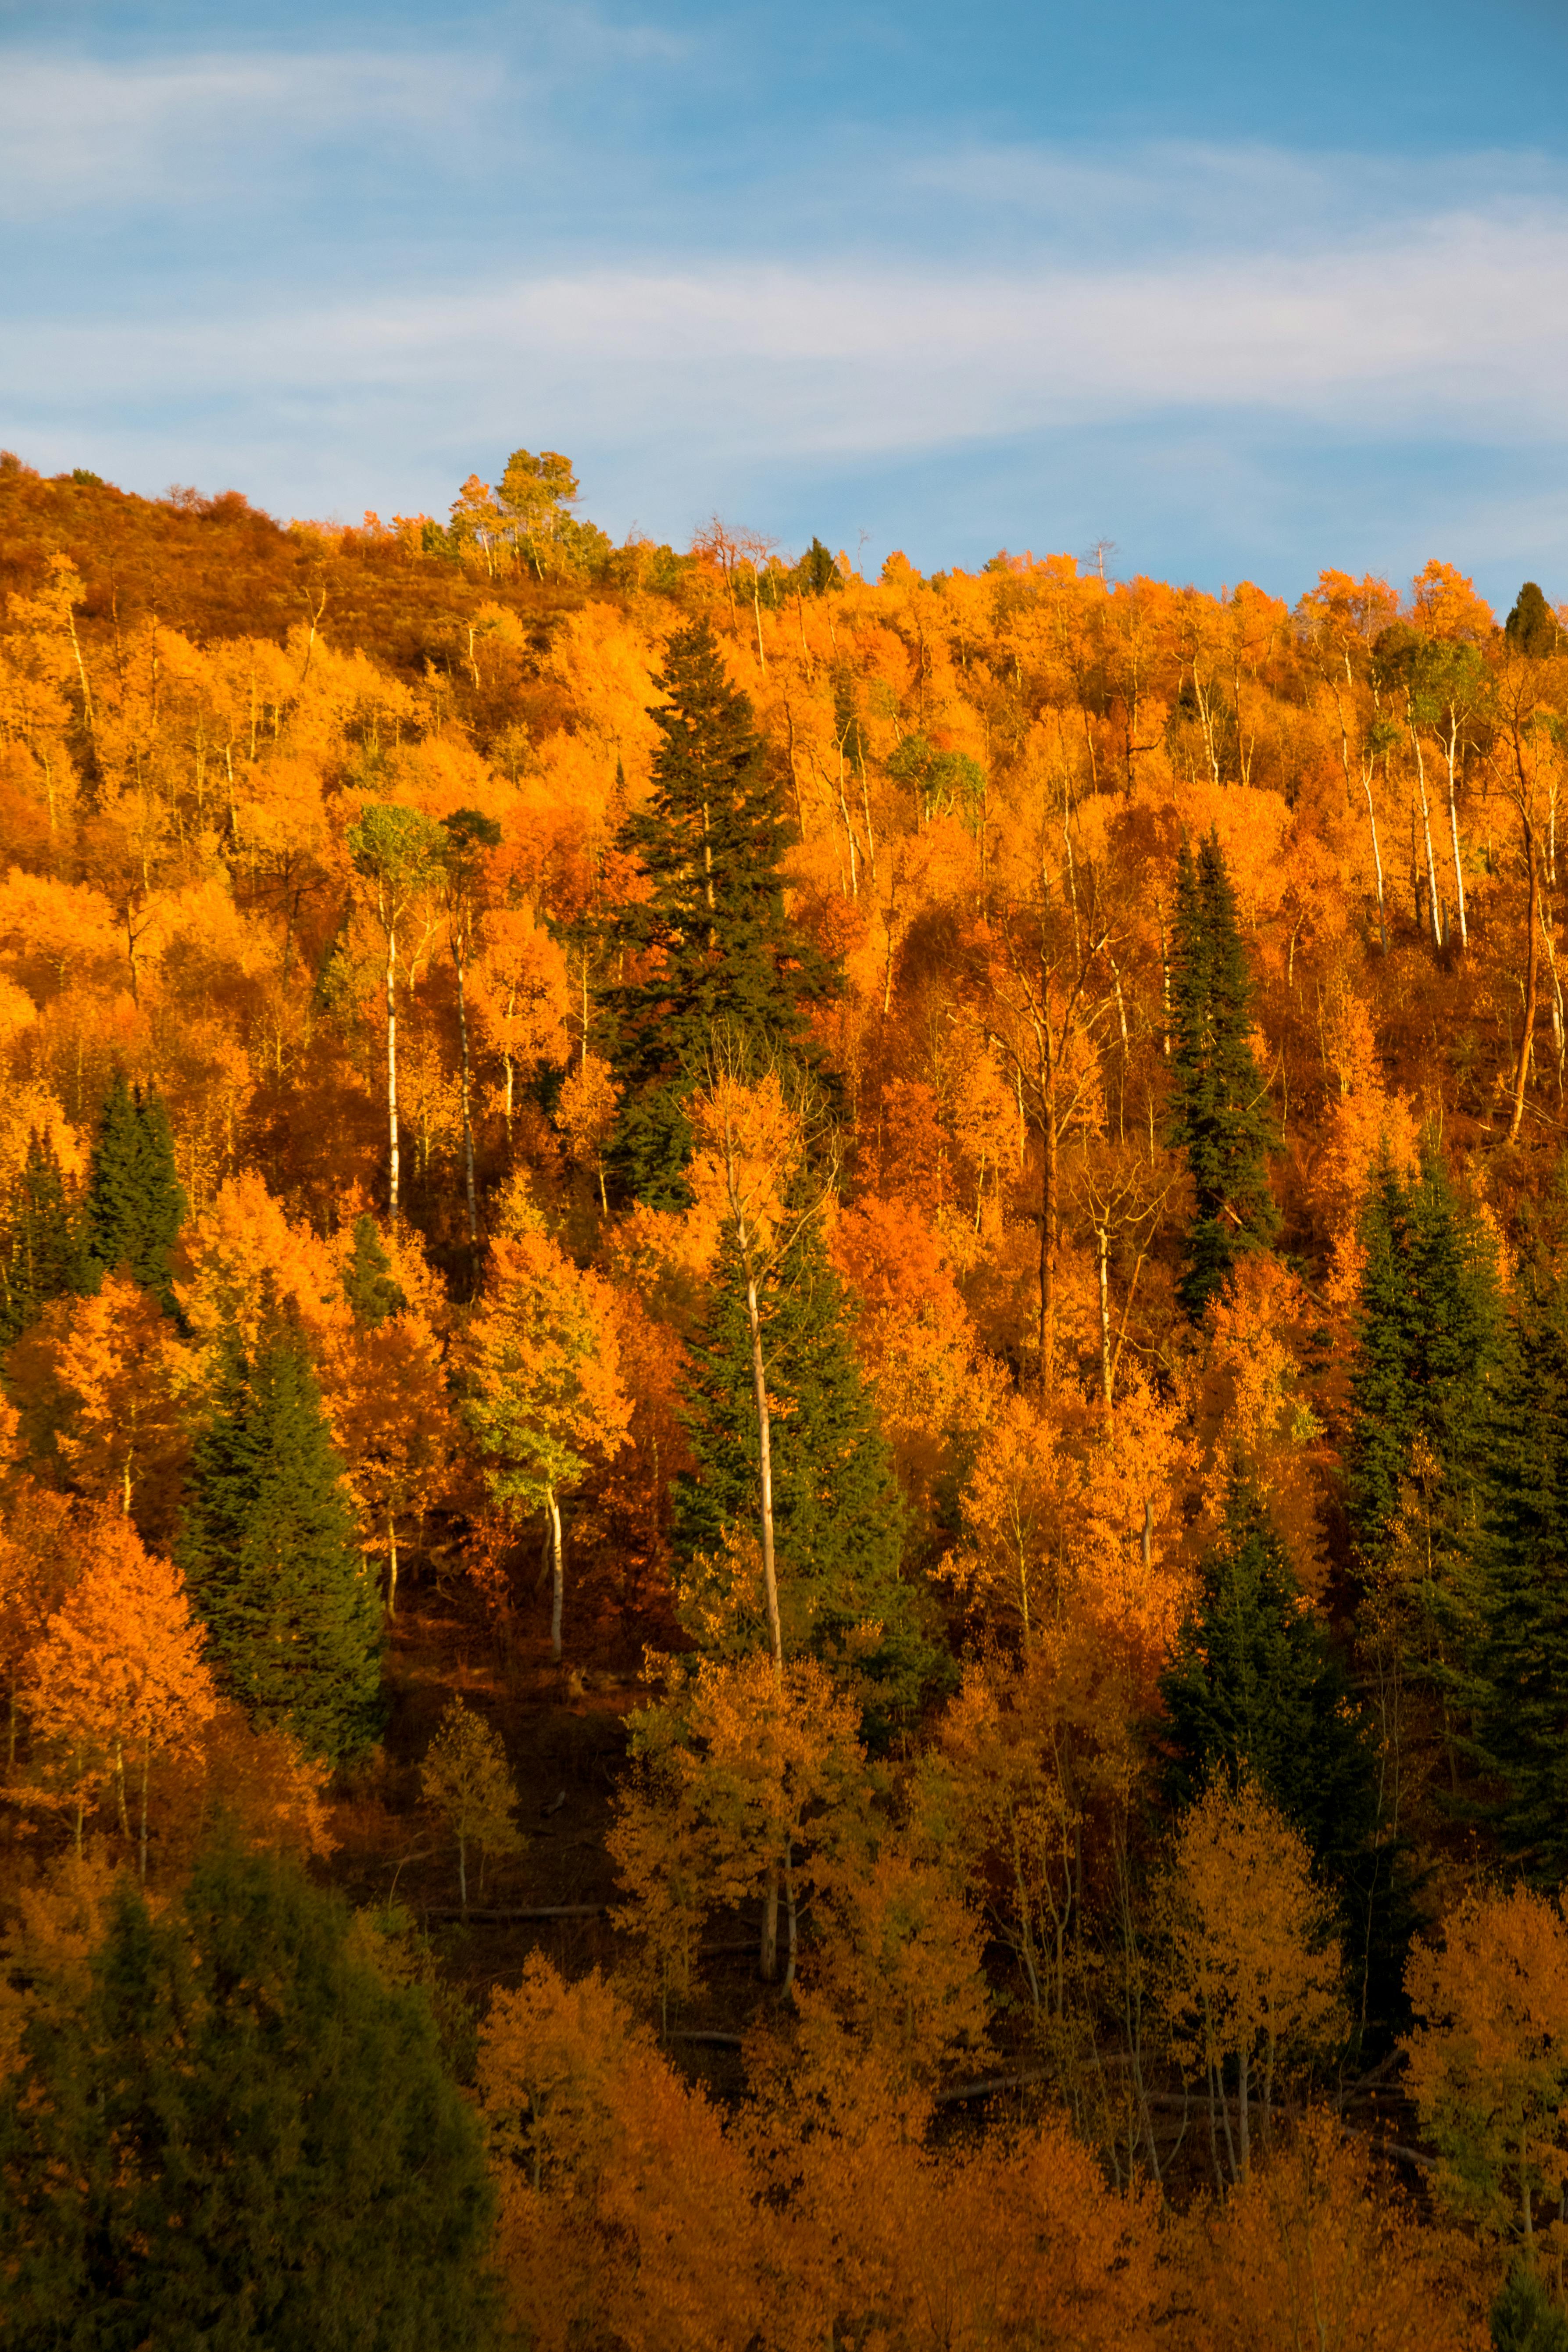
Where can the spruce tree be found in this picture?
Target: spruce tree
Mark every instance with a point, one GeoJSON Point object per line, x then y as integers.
{"type": "Point", "coordinates": [269, 1552]}
{"type": "Point", "coordinates": [1219, 1111]}
{"type": "Point", "coordinates": [1532, 627]}
{"type": "Point", "coordinates": [1421, 1381]}
{"type": "Point", "coordinates": [837, 1513]}
{"type": "Point", "coordinates": [134, 1206]}
{"type": "Point", "coordinates": [714, 945]}
{"type": "Point", "coordinates": [370, 1286]}
{"type": "Point", "coordinates": [237, 2134]}
{"type": "Point", "coordinates": [1522, 1667]}
{"type": "Point", "coordinates": [40, 1255]}
{"type": "Point", "coordinates": [1255, 1682]}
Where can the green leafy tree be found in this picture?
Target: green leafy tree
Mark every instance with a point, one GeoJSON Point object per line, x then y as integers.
{"type": "Point", "coordinates": [40, 1252]}
{"type": "Point", "coordinates": [713, 945]}
{"type": "Point", "coordinates": [240, 2135]}
{"type": "Point", "coordinates": [134, 1206]}
{"type": "Point", "coordinates": [535, 494]}
{"type": "Point", "coordinates": [1220, 1114]}
{"type": "Point", "coordinates": [836, 1512]}
{"type": "Point", "coordinates": [465, 1777]}
{"type": "Point", "coordinates": [397, 854]}
{"type": "Point", "coordinates": [271, 1557]}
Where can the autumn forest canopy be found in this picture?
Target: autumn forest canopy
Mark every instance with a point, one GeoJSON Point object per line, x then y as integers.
{"type": "Point", "coordinates": [784, 1465]}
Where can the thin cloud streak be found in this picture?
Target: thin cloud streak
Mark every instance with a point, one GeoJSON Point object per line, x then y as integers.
{"type": "Point", "coordinates": [1459, 326]}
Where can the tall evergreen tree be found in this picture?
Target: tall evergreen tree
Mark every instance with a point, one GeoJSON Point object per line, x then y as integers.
{"type": "Point", "coordinates": [238, 2134]}
{"type": "Point", "coordinates": [134, 1206]}
{"type": "Point", "coordinates": [713, 943]}
{"type": "Point", "coordinates": [1421, 1384]}
{"type": "Point", "coordinates": [838, 1514]}
{"type": "Point", "coordinates": [1531, 626]}
{"type": "Point", "coordinates": [269, 1553]}
{"type": "Point", "coordinates": [1255, 1682]}
{"type": "Point", "coordinates": [1220, 1114]}
{"type": "Point", "coordinates": [40, 1255]}
{"type": "Point", "coordinates": [370, 1286]}
{"type": "Point", "coordinates": [1522, 1667]}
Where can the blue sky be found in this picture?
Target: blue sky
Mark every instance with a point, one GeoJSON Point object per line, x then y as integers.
{"type": "Point", "coordinates": [1245, 290]}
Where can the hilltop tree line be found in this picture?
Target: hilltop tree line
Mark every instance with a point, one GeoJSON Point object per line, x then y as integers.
{"type": "Point", "coordinates": [970, 1169]}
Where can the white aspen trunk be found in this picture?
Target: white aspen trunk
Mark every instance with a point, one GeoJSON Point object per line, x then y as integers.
{"type": "Point", "coordinates": [391, 1562]}
{"type": "Point", "coordinates": [765, 1475]}
{"type": "Point", "coordinates": [1451, 749]}
{"type": "Point", "coordinates": [460, 957]}
{"type": "Point", "coordinates": [1102, 1238]}
{"type": "Point", "coordinates": [1376, 858]}
{"type": "Point", "coordinates": [391, 1066]}
{"type": "Point", "coordinates": [1432, 900]}
{"type": "Point", "coordinates": [557, 1573]}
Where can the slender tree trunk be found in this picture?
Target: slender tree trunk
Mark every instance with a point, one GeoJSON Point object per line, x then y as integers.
{"type": "Point", "coordinates": [1532, 985]}
{"type": "Point", "coordinates": [391, 1562]}
{"type": "Point", "coordinates": [1458, 863]}
{"type": "Point", "coordinates": [392, 1068]}
{"type": "Point", "coordinates": [1103, 1240]}
{"type": "Point", "coordinates": [1244, 2132]}
{"type": "Point", "coordinates": [463, 1871]}
{"type": "Point", "coordinates": [146, 1769]}
{"type": "Point", "coordinates": [120, 1792]}
{"type": "Point", "coordinates": [768, 1957]}
{"type": "Point", "coordinates": [1432, 899]}
{"type": "Point", "coordinates": [766, 1474]}
{"type": "Point", "coordinates": [557, 1574]}
{"type": "Point", "coordinates": [460, 957]}
{"type": "Point", "coordinates": [1376, 859]}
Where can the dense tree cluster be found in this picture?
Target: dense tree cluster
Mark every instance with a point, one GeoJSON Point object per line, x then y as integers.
{"type": "Point", "coordinates": [968, 1170]}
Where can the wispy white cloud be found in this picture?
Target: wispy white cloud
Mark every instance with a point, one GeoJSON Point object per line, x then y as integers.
{"type": "Point", "coordinates": [1459, 323]}
{"type": "Point", "coordinates": [76, 132]}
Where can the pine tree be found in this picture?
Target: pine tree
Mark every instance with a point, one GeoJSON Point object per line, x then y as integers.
{"type": "Point", "coordinates": [239, 2134]}
{"type": "Point", "coordinates": [270, 1556]}
{"type": "Point", "coordinates": [1522, 1668]}
{"type": "Point", "coordinates": [1219, 1111]}
{"type": "Point", "coordinates": [1253, 1685]}
{"type": "Point", "coordinates": [370, 1286]}
{"type": "Point", "coordinates": [715, 946]}
{"type": "Point", "coordinates": [1421, 1387]}
{"type": "Point", "coordinates": [1532, 627]}
{"type": "Point", "coordinates": [134, 1206]}
{"type": "Point", "coordinates": [40, 1256]}
{"type": "Point", "coordinates": [838, 1515]}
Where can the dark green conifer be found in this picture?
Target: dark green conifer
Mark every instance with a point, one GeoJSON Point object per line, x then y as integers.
{"type": "Point", "coordinates": [369, 1284]}
{"type": "Point", "coordinates": [40, 1255]}
{"type": "Point", "coordinates": [239, 2134]}
{"type": "Point", "coordinates": [714, 945]}
{"type": "Point", "coordinates": [1255, 1682]}
{"type": "Point", "coordinates": [1421, 1383]}
{"type": "Point", "coordinates": [269, 1552]}
{"type": "Point", "coordinates": [838, 1514]}
{"type": "Point", "coordinates": [1523, 1725]}
{"type": "Point", "coordinates": [134, 1206]}
{"type": "Point", "coordinates": [1220, 1114]}
{"type": "Point", "coordinates": [1532, 627]}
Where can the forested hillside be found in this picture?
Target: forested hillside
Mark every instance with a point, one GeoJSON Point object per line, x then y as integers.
{"type": "Point", "coordinates": [920, 1223]}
